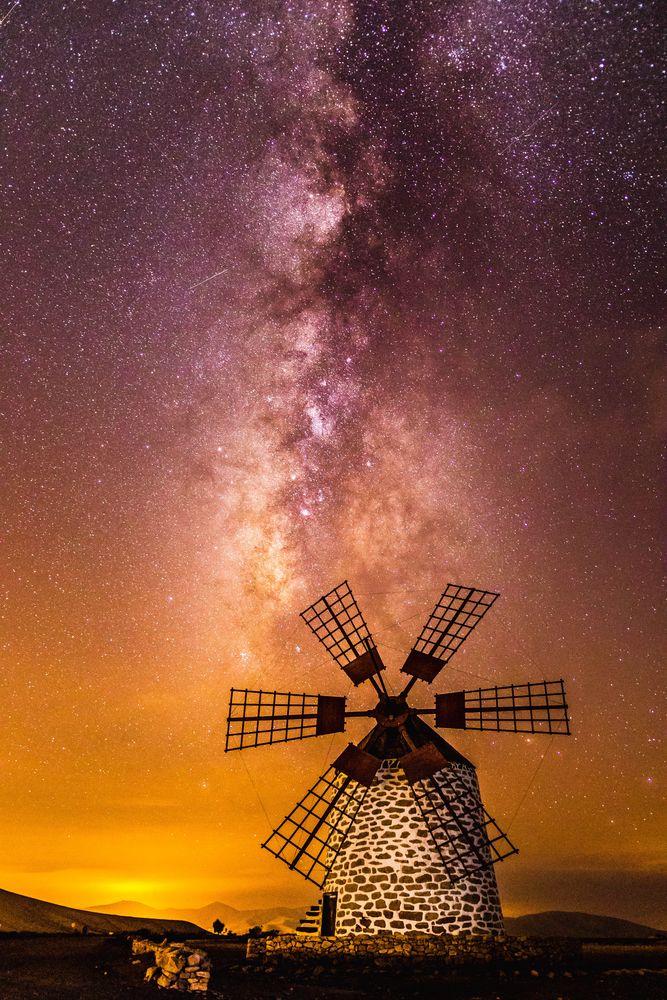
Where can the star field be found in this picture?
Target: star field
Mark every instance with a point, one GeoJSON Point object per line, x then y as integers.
{"type": "Point", "coordinates": [303, 291]}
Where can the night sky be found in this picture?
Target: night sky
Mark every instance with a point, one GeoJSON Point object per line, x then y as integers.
{"type": "Point", "coordinates": [301, 291]}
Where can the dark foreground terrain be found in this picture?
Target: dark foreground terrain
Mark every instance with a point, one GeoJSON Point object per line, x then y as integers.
{"type": "Point", "coordinates": [66, 967]}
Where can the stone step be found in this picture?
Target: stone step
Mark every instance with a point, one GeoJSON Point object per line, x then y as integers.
{"type": "Point", "coordinates": [311, 922]}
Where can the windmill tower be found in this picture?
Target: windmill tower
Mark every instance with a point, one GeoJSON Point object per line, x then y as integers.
{"type": "Point", "coordinates": [395, 832]}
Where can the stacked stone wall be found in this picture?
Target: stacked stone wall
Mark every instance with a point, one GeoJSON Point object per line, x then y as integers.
{"type": "Point", "coordinates": [389, 875]}
{"type": "Point", "coordinates": [396, 949]}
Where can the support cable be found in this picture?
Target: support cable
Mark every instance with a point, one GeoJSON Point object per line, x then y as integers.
{"type": "Point", "coordinates": [255, 789]}
{"type": "Point", "coordinates": [531, 782]}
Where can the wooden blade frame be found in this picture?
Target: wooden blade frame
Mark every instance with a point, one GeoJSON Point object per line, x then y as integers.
{"type": "Point", "coordinates": [340, 626]}
{"type": "Point", "coordinates": [257, 718]}
{"type": "Point", "coordinates": [457, 613]}
{"type": "Point", "coordinates": [537, 707]}
{"type": "Point", "coordinates": [357, 764]}
{"type": "Point", "coordinates": [310, 838]}
{"type": "Point", "coordinates": [422, 762]}
{"type": "Point", "coordinates": [466, 841]}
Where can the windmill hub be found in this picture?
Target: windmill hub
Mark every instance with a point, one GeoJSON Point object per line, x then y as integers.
{"type": "Point", "coordinates": [391, 712]}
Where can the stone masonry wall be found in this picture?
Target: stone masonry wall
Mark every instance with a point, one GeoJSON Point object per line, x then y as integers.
{"type": "Point", "coordinates": [389, 875]}
{"type": "Point", "coordinates": [395, 949]}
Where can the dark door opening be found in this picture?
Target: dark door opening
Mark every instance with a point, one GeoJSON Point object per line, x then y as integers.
{"type": "Point", "coordinates": [329, 914]}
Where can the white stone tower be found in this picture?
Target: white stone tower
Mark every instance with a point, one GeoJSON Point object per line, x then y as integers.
{"type": "Point", "coordinates": [389, 874]}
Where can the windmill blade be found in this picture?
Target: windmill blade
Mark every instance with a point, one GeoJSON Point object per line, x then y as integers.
{"type": "Point", "coordinates": [538, 707]}
{"type": "Point", "coordinates": [450, 623]}
{"type": "Point", "coordinates": [466, 839]}
{"type": "Point", "coordinates": [257, 718]}
{"type": "Point", "coordinates": [340, 626]}
{"type": "Point", "coordinates": [310, 838]}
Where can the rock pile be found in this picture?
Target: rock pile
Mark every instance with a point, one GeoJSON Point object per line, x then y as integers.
{"type": "Point", "coordinates": [177, 966]}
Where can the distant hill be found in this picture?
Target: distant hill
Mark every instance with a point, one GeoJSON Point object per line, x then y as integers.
{"type": "Point", "coordinates": [23, 913]}
{"type": "Point", "coordinates": [558, 923]}
{"type": "Point", "coordinates": [554, 923]}
{"type": "Point", "coordinates": [280, 918]}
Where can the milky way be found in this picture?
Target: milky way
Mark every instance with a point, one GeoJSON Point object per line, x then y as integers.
{"type": "Point", "coordinates": [297, 292]}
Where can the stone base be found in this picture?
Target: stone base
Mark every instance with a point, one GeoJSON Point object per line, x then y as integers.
{"type": "Point", "coordinates": [392, 949]}
{"type": "Point", "coordinates": [390, 877]}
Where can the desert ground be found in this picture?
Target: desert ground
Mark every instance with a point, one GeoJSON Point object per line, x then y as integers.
{"type": "Point", "coordinates": [67, 967]}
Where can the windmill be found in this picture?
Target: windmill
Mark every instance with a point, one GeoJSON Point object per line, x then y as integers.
{"type": "Point", "coordinates": [395, 832]}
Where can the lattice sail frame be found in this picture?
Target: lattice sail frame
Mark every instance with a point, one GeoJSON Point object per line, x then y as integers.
{"type": "Point", "coordinates": [458, 611]}
{"type": "Point", "coordinates": [535, 707]}
{"type": "Point", "coordinates": [258, 718]}
{"type": "Point", "coordinates": [309, 839]}
{"type": "Point", "coordinates": [472, 839]}
{"type": "Point", "coordinates": [337, 622]}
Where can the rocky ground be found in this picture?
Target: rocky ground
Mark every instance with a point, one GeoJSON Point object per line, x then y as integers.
{"type": "Point", "coordinates": [59, 967]}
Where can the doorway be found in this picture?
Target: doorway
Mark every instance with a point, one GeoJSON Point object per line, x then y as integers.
{"type": "Point", "coordinates": [329, 914]}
